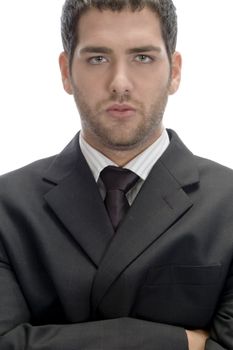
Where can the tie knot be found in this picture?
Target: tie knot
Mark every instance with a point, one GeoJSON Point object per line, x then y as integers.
{"type": "Point", "coordinates": [116, 178]}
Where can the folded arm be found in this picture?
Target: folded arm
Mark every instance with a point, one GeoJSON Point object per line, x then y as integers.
{"type": "Point", "coordinates": [17, 333]}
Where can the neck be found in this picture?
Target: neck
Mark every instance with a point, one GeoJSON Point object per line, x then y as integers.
{"type": "Point", "coordinates": [123, 156]}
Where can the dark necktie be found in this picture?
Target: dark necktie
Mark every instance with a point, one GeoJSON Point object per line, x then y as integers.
{"type": "Point", "coordinates": [118, 182]}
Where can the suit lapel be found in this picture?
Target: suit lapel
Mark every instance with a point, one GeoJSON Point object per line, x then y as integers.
{"type": "Point", "coordinates": [76, 201]}
{"type": "Point", "coordinates": [160, 203]}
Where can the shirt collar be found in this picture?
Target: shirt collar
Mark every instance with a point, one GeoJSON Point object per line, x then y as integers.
{"type": "Point", "coordinates": [140, 165]}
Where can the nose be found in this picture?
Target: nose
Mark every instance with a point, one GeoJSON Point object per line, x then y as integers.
{"type": "Point", "coordinates": [120, 81]}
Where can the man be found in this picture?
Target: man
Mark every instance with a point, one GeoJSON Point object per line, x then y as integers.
{"type": "Point", "coordinates": [74, 272]}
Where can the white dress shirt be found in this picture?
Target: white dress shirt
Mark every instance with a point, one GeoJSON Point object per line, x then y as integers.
{"type": "Point", "coordinates": [140, 165]}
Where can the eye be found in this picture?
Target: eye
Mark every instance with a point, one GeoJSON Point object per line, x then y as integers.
{"type": "Point", "coordinates": [144, 59]}
{"type": "Point", "coordinates": [97, 60]}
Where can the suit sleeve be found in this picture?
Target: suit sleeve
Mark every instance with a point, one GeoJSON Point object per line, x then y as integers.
{"type": "Point", "coordinates": [16, 332]}
{"type": "Point", "coordinates": [221, 333]}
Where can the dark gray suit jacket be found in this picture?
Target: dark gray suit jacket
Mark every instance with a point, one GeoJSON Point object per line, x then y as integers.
{"type": "Point", "coordinates": [67, 282]}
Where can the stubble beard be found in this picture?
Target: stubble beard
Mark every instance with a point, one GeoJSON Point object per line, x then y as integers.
{"type": "Point", "coordinates": [119, 137]}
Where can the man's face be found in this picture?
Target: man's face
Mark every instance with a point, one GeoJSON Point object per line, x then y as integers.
{"type": "Point", "coordinates": [120, 78]}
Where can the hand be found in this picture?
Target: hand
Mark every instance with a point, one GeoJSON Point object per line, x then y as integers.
{"type": "Point", "coordinates": [197, 339]}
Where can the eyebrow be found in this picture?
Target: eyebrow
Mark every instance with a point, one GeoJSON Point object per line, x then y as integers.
{"type": "Point", "coordinates": [95, 49]}
{"type": "Point", "coordinates": [106, 50]}
{"type": "Point", "coordinates": [148, 48]}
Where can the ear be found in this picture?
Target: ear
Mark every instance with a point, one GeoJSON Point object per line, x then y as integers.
{"type": "Point", "coordinates": [176, 65]}
{"type": "Point", "coordinates": [65, 72]}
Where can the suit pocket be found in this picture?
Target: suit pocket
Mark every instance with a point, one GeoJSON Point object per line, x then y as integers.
{"type": "Point", "coordinates": [182, 295]}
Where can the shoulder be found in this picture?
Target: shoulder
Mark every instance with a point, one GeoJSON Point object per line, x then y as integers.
{"type": "Point", "coordinates": [215, 185]}
{"type": "Point", "coordinates": [184, 163]}
{"type": "Point", "coordinates": [213, 170]}
{"type": "Point", "coordinates": [25, 179]}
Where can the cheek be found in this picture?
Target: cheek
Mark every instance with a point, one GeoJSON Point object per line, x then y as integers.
{"type": "Point", "coordinates": [89, 86]}
{"type": "Point", "coordinates": [150, 93]}
{"type": "Point", "coordinates": [153, 81]}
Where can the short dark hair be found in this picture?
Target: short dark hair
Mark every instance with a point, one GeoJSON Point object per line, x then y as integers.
{"type": "Point", "coordinates": [73, 10]}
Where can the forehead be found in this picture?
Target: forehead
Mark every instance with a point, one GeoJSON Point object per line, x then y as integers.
{"type": "Point", "coordinates": [119, 28]}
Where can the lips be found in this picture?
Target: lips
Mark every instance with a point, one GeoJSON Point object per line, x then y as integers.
{"type": "Point", "coordinates": [120, 108]}
{"type": "Point", "coordinates": [119, 111]}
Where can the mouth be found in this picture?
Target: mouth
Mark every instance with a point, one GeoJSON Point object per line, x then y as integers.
{"type": "Point", "coordinates": [121, 110]}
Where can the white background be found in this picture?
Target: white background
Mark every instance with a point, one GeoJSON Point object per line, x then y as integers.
{"type": "Point", "coordinates": [38, 119]}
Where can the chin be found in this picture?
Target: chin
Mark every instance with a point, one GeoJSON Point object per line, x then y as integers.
{"type": "Point", "coordinates": [123, 144]}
